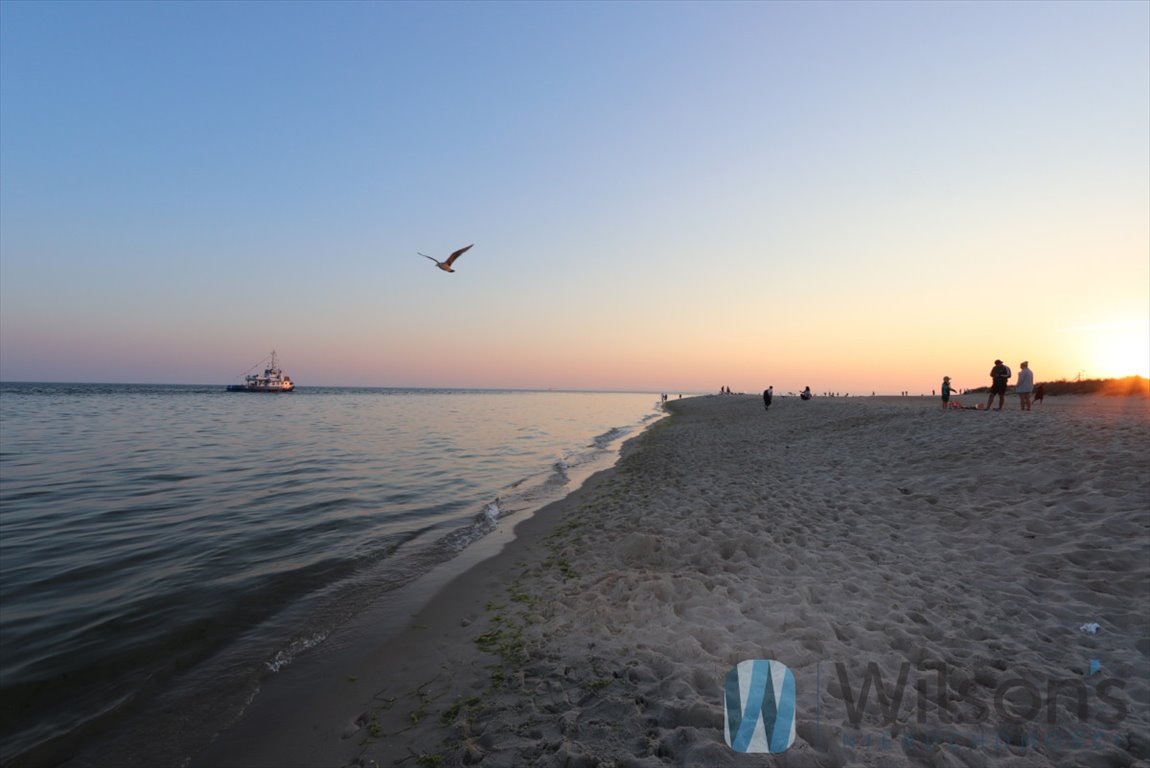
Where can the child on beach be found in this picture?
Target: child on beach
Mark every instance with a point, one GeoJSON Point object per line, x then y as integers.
{"type": "Point", "coordinates": [946, 390]}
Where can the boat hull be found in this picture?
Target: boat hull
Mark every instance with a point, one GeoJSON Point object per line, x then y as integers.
{"type": "Point", "coordinates": [271, 390]}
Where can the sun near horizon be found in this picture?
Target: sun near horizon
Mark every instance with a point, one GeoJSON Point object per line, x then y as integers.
{"type": "Point", "coordinates": [1118, 351]}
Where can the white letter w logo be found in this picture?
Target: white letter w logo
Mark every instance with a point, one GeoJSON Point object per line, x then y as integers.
{"type": "Point", "coordinates": [760, 706]}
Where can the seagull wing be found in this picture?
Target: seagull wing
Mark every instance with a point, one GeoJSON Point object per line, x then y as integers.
{"type": "Point", "coordinates": [424, 255]}
{"type": "Point", "coordinates": [451, 259]}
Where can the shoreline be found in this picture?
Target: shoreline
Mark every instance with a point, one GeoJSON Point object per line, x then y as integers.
{"type": "Point", "coordinates": [291, 721]}
{"type": "Point", "coordinates": [830, 535]}
{"type": "Point", "coordinates": [465, 471]}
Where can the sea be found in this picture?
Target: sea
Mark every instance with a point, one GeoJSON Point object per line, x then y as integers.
{"type": "Point", "coordinates": [165, 549]}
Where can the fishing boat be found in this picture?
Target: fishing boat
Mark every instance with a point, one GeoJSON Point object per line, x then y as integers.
{"type": "Point", "coordinates": [271, 380]}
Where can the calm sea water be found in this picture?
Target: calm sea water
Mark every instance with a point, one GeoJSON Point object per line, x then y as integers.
{"type": "Point", "coordinates": [167, 542]}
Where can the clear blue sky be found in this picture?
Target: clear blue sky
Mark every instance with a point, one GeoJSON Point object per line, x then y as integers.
{"type": "Point", "coordinates": [661, 195]}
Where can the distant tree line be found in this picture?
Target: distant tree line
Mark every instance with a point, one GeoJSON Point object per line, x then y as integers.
{"type": "Point", "coordinates": [1130, 385]}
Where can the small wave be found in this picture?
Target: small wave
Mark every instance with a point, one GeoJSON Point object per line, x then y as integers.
{"type": "Point", "coordinates": [482, 524]}
{"type": "Point", "coordinates": [492, 512]}
{"type": "Point", "coordinates": [295, 648]}
{"type": "Point", "coordinates": [608, 437]}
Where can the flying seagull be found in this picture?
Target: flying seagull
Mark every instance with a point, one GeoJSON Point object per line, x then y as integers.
{"type": "Point", "coordinates": [446, 265]}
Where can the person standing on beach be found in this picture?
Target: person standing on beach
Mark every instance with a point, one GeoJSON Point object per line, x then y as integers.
{"type": "Point", "coordinates": [999, 375]}
{"type": "Point", "coordinates": [946, 390]}
{"type": "Point", "coordinates": [1025, 385]}
{"type": "Point", "coordinates": [768, 395]}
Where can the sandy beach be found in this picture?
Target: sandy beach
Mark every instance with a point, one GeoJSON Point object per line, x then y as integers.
{"type": "Point", "coordinates": [931, 579]}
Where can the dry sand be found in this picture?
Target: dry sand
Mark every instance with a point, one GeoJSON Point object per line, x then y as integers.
{"type": "Point", "coordinates": [963, 549]}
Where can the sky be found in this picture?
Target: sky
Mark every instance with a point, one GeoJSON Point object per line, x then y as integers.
{"type": "Point", "coordinates": [674, 196]}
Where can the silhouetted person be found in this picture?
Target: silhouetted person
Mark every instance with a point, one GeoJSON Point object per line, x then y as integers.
{"type": "Point", "coordinates": [999, 376]}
